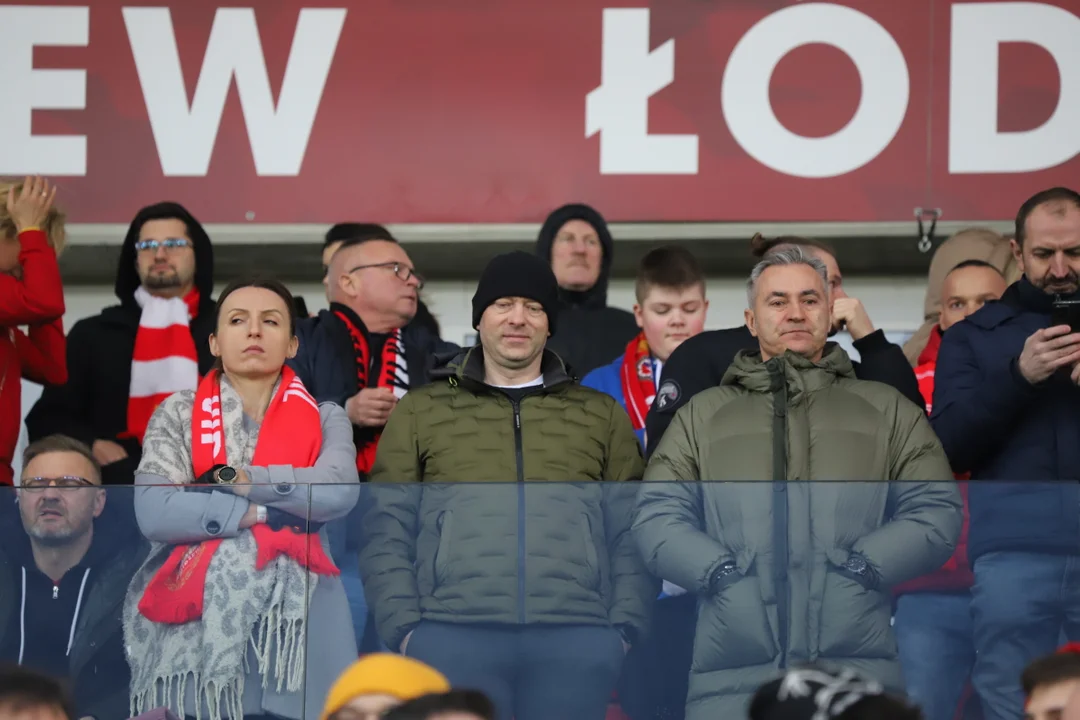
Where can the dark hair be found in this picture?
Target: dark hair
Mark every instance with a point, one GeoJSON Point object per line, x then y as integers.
{"type": "Point", "coordinates": [1055, 195]}
{"type": "Point", "coordinates": [760, 246]}
{"type": "Point", "coordinates": [359, 232]}
{"type": "Point", "coordinates": [1050, 670]}
{"type": "Point", "coordinates": [881, 707]}
{"type": "Point", "coordinates": [266, 283]}
{"type": "Point", "coordinates": [671, 266]}
{"type": "Point", "coordinates": [976, 264]}
{"type": "Point", "coordinates": [425, 706]}
{"type": "Point", "coordinates": [60, 443]}
{"type": "Point", "coordinates": [22, 689]}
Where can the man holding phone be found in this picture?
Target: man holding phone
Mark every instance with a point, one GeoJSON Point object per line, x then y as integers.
{"type": "Point", "coordinates": [1007, 409]}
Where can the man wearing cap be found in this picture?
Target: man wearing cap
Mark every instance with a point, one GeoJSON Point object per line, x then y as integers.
{"type": "Point", "coordinates": [512, 568]}
{"type": "Point", "coordinates": [380, 682]}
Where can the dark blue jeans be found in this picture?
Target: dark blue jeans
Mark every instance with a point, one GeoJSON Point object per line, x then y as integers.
{"type": "Point", "coordinates": [530, 672]}
{"type": "Point", "coordinates": [934, 637]}
{"type": "Point", "coordinates": [1021, 604]}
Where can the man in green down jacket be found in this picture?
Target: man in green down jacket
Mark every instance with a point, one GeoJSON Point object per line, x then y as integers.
{"type": "Point", "coordinates": [794, 569]}
{"type": "Point", "coordinates": [490, 552]}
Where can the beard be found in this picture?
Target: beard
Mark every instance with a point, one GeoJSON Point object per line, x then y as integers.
{"type": "Point", "coordinates": [52, 537]}
{"type": "Point", "coordinates": [1059, 286]}
{"type": "Point", "coordinates": [162, 281]}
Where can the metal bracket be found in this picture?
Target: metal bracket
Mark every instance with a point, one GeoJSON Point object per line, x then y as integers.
{"type": "Point", "coordinates": [926, 235]}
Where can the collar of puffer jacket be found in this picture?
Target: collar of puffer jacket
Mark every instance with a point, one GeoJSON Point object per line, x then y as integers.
{"type": "Point", "coordinates": [751, 372]}
{"type": "Point", "coordinates": [467, 367]}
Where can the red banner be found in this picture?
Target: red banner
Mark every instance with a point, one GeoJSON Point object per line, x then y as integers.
{"type": "Point", "coordinates": [470, 111]}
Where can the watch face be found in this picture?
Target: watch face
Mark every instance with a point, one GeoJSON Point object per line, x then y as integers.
{"type": "Point", "coordinates": [226, 474]}
{"type": "Point", "coordinates": [857, 565]}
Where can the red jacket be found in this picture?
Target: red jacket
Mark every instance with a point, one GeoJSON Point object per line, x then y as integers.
{"type": "Point", "coordinates": [954, 575]}
{"type": "Point", "coordinates": [36, 300]}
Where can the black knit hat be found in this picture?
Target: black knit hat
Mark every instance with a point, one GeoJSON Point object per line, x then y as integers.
{"type": "Point", "coordinates": [517, 274]}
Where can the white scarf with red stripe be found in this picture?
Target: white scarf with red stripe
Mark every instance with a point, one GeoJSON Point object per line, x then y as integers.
{"type": "Point", "coordinates": [165, 360]}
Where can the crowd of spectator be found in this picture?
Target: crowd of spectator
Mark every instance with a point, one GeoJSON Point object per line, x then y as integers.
{"type": "Point", "coordinates": [226, 501]}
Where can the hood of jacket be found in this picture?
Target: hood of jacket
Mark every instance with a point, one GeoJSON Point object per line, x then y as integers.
{"type": "Point", "coordinates": [748, 370]}
{"type": "Point", "coordinates": [467, 366]}
{"type": "Point", "coordinates": [127, 275]}
{"type": "Point", "coordinates": [596, 296]}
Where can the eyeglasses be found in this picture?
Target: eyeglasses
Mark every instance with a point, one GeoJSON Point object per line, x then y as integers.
{"type": "Point", "coordinates": [37, 484]}
{"type": "Point", "coordinates": [170, 245]}
{"type": "Point", "coordinates": [403, 271]}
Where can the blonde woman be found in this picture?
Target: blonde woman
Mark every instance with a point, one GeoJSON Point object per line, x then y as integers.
{"type": "Point", "coordinates": [31, 296]}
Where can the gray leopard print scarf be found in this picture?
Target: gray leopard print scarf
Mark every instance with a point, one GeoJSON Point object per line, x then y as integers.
{"type": "Point", "coordinates": [243, 607]}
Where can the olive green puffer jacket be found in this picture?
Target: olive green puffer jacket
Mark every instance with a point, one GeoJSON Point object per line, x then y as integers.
{"type": "Point", "coordinates": [483, 510]}
{"type": "Point", "coordinates": [786, 427]}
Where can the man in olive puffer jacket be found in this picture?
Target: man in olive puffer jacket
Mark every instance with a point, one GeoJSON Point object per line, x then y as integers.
{"type": "Point", "coordinates": [491, 550]}
{"type": "Point", "coordinates": [794, 569]}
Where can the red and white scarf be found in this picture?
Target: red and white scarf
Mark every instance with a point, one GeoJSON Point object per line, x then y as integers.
{"type": "Point", "coordinates": [392, 372]}
{"type": "Point", "coordinates": [638, 377]}
{"type": "Point", "coordinates": [290, 434]}
{"type": "Point", "coordinates": [165, 360]}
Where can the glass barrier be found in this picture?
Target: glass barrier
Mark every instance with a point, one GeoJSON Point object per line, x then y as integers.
{"type": "Point", "coordinates": [557, 599]}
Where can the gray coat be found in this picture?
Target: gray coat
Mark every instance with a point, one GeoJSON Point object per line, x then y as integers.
{"type": "Point", "coordinates": [167, 514]}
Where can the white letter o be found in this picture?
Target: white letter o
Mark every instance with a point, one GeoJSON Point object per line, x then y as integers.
{"type": "Point", "coordinates": [882, 106]}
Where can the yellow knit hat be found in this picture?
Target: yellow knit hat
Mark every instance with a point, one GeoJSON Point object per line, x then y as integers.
{"type": "Point", "coordinates": [384, 674]}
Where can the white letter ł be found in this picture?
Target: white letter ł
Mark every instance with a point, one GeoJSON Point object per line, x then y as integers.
{"type": "Point", "coordinates": [619, 108]}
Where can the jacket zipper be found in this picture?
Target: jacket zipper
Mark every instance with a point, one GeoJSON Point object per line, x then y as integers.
{"type": "Point", "coordinates": [55, 592]}
{"type": "Point", "coordinates": [781, 518]}
{"type": "Point", "coordinates": [520, 459]}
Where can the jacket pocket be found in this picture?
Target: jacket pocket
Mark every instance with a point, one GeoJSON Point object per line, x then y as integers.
{"type": "Point", "coordinates": [855, 620]}
{"type": "Point", "coordinates": [445, 525]}
{"type": "Point", "coordinates": [733, 628]}
{"type": "Point", "coordinates": [592, 558]}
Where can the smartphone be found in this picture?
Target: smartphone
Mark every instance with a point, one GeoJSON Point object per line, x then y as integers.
{"type": "Point", "coordinates": [1066, 312]}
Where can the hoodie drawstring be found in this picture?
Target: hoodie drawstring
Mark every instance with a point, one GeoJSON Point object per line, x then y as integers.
{"type": "Point", "coordinates": [22, 618]}
{"type": "Point", "coordinates": [78, 606]}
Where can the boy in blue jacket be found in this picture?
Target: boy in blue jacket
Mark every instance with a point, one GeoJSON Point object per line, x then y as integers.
{"type": "Point", "coordinates": [671, 306]}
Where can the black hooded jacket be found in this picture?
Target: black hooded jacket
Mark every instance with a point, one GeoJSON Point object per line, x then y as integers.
{"type": "Point", "coordinates": [93, 404]}
{"type": "Point", "coordinates": [40, 619]}
{"type": "Point", "coordinates": [590, 333]}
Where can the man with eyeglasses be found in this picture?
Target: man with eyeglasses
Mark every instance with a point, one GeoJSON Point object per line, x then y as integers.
{"type": "Point", "coordinates": [424, 327]}
{"type": "Point", "coordinates": [355, 354]}
{"type": "Point", "coordinates": [64, 571]}
{"type": "Point", "coordinates": [125, 361]}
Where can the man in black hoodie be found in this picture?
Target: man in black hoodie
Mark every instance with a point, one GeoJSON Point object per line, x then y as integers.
{"type": "Point", "coordinates": [164, 282]}
{"type": "Point", "coordinates": [576, 241]}
{"type": "Point", "coordinates": [64, 572]}
{"type": "Point", "coordinates": [700, 362]}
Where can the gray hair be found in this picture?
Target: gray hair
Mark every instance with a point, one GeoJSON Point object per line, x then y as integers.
{"type": "Point", "coordinates": [790, 255]}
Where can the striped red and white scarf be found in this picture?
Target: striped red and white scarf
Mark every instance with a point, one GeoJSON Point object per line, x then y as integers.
{"type": "Point", "coordinates": [165, 360]}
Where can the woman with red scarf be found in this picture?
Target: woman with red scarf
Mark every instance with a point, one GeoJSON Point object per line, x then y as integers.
{"type": "Point", "coordinates": [238, 610]}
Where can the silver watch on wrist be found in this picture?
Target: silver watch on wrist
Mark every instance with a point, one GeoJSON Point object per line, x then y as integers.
{"type": "Point", "coordinates": [260, 514]}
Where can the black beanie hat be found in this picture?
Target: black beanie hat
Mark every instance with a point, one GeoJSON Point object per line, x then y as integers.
{"type": "Point", "coordinates": [517, 274]}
